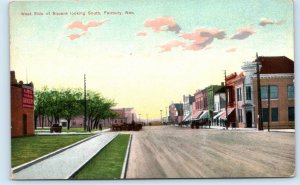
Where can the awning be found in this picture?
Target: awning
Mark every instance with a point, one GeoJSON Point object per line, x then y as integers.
{"type": "Point", "coordinates": [187, 117]}
{"type": "Point", "coordinates": [229, 110]}
{"type": "Point", "coordinates": [196, 115]}
{"type": "Point", "coordinates": [219, 114]}
{"type": "Point", "coordinates": [204, 115]}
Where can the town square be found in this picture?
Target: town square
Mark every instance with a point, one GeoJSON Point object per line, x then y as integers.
{"type": "Point", "coordinates": [152, 90]}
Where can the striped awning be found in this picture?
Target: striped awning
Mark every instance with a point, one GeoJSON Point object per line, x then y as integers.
{"type": "Point", "coordinates": [196, 115]}
{"type": "Point", "coordinates": [229, 110]}
{"type": "Point", "coordinates": [218, 115]}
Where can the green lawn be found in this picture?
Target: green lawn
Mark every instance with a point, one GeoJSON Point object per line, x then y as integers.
{"type": "Point", "coordinates": [25, 149]}
{"type": "Point", "coordinates": [108, 163]}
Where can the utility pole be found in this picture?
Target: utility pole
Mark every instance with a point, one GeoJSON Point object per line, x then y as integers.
{"type": "Point", "coordinates": [161, 116]}
{"type": "Point", "coordinates": [147, 119]}
{"type": "Point", "coordinates": [259, 116]}
{"type": "Point", "coordinates": [166, 115]}
{"type": "Point", "coordinates": [226, 100]}
{"type": "Point", "coordinates": [269, 107]}
{"type": "Point", "coordinates": [85, 105]}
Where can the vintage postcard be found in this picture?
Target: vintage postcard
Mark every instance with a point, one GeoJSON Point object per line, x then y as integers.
{"type": "Point", "coordinates": [137, 89]}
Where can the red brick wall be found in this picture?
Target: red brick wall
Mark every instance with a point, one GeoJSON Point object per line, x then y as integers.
{"type": "Point", "coordinates": [282, 102]}
{"type": "Point", "coordinates": [17, 112]}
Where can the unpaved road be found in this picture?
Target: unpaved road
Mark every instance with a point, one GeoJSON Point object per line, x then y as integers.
{"type": "Point", "coordinates": [173, 152]}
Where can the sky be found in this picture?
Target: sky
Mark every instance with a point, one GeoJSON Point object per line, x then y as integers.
{"type": "Point", "coordinates": [144, 54]}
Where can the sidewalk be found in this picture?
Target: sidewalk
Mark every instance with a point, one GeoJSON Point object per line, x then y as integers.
{"type": "Point", "coordinates": [63, 165]}
{"type": "Point", "coordinates": [254, 129]}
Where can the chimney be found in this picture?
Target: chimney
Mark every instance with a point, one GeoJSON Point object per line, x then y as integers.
{"type": "Point", "coordinates": [13, 80]}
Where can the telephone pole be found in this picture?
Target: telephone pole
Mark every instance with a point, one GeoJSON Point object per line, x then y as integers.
{"type": "Point", "coordinates": [85, 105]}
{"type": "Point", "coordinates": [226, 99]}
{"type": "Point", "coordinates": [269, 107]}
{"type": "Point", "coordinates": [259, 116]}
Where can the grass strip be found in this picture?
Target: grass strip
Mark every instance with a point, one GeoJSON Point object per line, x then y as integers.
{"type": "Point", "coordinates": [108, 163]}
{"type": "Point", "coordinates": [25, 149]}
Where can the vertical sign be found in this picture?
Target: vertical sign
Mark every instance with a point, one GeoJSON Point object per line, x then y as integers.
{"type": "Point", "coordinates": [27, 96]}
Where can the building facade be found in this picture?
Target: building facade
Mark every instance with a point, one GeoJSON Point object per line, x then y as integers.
{"type": "Point", "coordinates": [278, 73]}
{"type": "Point", "coordinates": [22, 107]}
{"type": "Point", "coordinates": [219, 106]}
{"type": "Point", "coordinates": [176, 113]}
{"type": "Point", "coordinates": [211, 90]}
{"type": "Point", "coordinates": [200, 105]}
{"type": "Point", "coordinates": [230, 115]}
{"type": "Point", "coordinates": [249, 70]}
{"type": "Point", "coordinates": [240, 100]}
{"type": "Point", "coordinates": [187, 108]}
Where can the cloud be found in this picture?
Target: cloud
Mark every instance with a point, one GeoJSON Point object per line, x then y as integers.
{"type": "Point", "coordinates": [170, 45]}
{"type": "Point", "coordinates": [85, 27]}
{"type": "Point", "coordinates": [243, 33]}
{"type": "Point", "coordinates": [163, 24]}
{"type": "Point", "coordinates": [265, 22]}
{"type": "Point", "coordinates": [202, 37]}
{"type": "Point", "coordinates": [141, 34]}
{"type": "Point", "coordinates": [231, 50]}
{"type": "Point", "coordinates": [75, 36]}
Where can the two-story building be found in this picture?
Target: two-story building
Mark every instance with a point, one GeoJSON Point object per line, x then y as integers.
{"type": "Point", "coordinates": [22, 107]}
{"type": "Point", "coordinates": [278, 73]}
{"type": "Point", "coordinates": [176, 113]}
{"type": "Point", "coordinates": [187, 108]}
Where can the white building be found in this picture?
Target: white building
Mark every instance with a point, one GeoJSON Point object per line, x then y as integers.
{"type": "Point", "coordinates": [249, 69]}
{"type": "Point", "coordinates": [219, 106]}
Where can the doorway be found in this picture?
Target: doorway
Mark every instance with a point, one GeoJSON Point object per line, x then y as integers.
{"type": "Point", "coordinates": [249, 119]}
{"type": "Point", "coordinates": [24, 124]}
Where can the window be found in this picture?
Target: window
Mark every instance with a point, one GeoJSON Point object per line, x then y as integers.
{"type": "Point", "coordinates": [291, 113]}
{"type": "Point", "coordinates": [274, 112]}
{"type": "Point", "coordinates": [239, 94]}
{"type": "Point", "coordinates": [240, 115]}
{"type": "Point", "coordinates": [273, 92]}
{"type": "Point", "coordinates": [265, 114]}
{"type": "Point", "coordinates": [248, 93]}
{"type": "Point", "coordinates": [291, 91]}
{"type": "Point", "coordinates": [264, 92]}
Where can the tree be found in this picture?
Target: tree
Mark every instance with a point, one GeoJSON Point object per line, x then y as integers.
{"type": "Point", "coordinates": [70, 104]}
{"type": "Point", "coordinates": [67, 103]}
{"type": "Point", "coordinates": [98, 108]}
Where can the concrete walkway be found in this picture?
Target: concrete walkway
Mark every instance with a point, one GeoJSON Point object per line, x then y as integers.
{"type": "Point", "coordinates": [66, 163]}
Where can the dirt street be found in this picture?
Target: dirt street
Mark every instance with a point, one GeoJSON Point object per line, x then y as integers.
{"type": "Point", "coordinates": [173, 152]}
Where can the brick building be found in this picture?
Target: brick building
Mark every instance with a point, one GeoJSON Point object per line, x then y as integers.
{"type": "Point", "coordinates": [239, 99]}
{"type": "Point", "coordinates": [22, 107]}
{"type": "Point", "coordinates": [200, 105]}
{"type": "Point", "coordinates": [230, 110]}
{"type": "Point", "coordinates": [278, 72]}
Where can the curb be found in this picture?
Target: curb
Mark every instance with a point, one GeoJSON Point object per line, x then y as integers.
{"type": "Point", "coordinates": [125, 163]}
{"type": "Point", "coordinates": [30, 163]}
{"type": "Point", "coordinates": [81, 166]}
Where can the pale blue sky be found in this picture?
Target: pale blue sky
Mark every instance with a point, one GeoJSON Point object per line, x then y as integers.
{"type": "Point", "coordinates": [132, 69]}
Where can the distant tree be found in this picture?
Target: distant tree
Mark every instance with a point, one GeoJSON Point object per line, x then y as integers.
{"type": "Point", "coordinates": [71, 104]}
{"type": "Point", "coordinates": [98, 108]}
{"type": "Point", "coordinates": [67, 103]}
